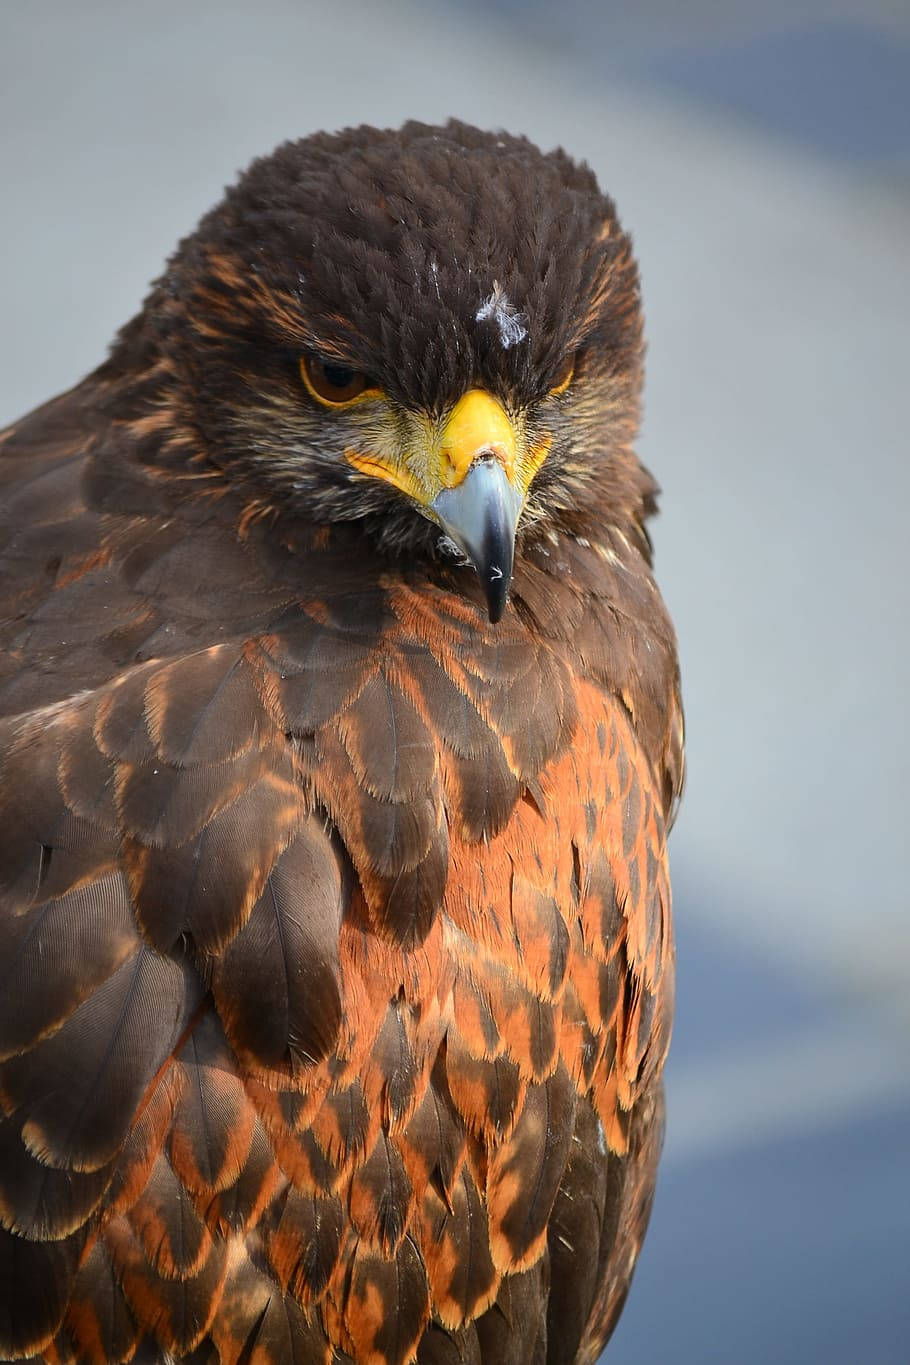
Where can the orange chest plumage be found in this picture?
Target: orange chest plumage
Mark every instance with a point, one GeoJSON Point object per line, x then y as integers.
{"type": "Point", "coordinates": [338, 961]}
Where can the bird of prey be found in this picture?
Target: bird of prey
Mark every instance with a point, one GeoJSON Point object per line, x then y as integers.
{"type": "Point", "coordinates": [340, 740]}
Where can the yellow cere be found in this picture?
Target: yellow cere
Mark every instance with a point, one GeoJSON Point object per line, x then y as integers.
{"type": "Point", "coordinates": [477, 422]}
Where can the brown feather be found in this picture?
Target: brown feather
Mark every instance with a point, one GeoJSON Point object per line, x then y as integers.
{"type": "Point", "coordinates": [99, 1320]}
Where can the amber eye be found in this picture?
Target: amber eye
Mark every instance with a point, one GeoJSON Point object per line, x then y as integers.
{"type": "Point", "coordinates": [566, 375]}
{"type": "Point", "coordinates": [335, 385]}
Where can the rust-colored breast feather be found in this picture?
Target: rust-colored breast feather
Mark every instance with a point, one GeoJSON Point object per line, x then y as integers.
{"type": "Point", "coordinates": [335, 944]}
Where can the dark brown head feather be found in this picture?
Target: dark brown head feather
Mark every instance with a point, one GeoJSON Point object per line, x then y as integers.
{"type": "Point", "coordinates": [433, 259]}
{"type": "Point", "coordinates": [383, 247]}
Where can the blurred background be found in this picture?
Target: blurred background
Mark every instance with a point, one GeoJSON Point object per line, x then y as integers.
{"type": "Point", "coordinates": [761, 157]}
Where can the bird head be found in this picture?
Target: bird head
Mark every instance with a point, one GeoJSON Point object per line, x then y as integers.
{"type": "Point", "coordinates": [434, 332]}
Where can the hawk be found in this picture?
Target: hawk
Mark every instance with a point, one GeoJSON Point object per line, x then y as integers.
{"type": "Point", "coordinates": [340, 740]}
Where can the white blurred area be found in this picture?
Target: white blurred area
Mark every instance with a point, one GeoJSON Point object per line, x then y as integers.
{"type": "Point", "coordinates": [777, 293]}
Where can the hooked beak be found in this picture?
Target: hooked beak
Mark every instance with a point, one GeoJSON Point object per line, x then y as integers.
{"type": "Point", "coordinates": [480, 514]}
{"type": "Point", "coordinates": [471, 478]}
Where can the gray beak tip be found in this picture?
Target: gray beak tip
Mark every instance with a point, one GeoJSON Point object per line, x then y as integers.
{"type": "Point", "coordinates": [496, 588]}
{"type": "Point", "coordinates": [481, 515]}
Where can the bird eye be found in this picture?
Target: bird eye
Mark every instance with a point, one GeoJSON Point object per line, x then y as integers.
{"type": "Point", "coordinates": [335, 386]}
{"type": "Point", "coordinates": [564, 379]}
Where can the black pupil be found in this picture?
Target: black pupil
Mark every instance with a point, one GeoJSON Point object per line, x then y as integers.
{"type": "Point", "coordinates": [339, 376]}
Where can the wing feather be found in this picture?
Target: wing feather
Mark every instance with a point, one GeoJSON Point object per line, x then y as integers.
{"type": "Point", "coordinates": [277, 984]}
{"type": "Point", "coordinates": [79, 1089]}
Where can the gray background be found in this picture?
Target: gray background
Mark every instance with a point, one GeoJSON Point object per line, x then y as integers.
{"type": "Point", "coordinates": [762, 161]}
